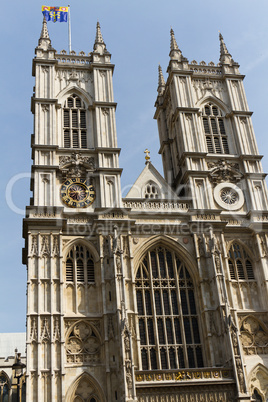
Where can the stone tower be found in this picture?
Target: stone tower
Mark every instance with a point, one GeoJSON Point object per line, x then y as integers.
{"type": "Point", "coordinates": [162, 295]}
{"type": "Point", "coordinates": [72, 330]}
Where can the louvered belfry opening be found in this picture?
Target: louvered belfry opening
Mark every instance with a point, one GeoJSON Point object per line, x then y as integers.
{"type": "Point", "coordinates": [214, 128]}
{"type": "Point", "coordinates": [74, 123]}
{"type": "Point", "coordinates": [168, 319]}
{"type": "Point", "coordinates": [80, 265]}
{"type": "Point", "coordinates": [240, 265]}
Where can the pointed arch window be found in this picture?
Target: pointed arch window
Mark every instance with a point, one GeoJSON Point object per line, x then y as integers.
{"type": "Point", "coordinates": [214, 128]}
{"type": "Point", "coordinates": [74, 123]}
{"type": "Point", "coordinates": [243, 282]}
{"type": "Point", "coordinates": [80, 265]}
{"type": "Point", "coordinates": [168, 321]}
{"type": "Point", "coordinates": [240, 265]}
{"type": "Point", "coordinates": [4, 387]}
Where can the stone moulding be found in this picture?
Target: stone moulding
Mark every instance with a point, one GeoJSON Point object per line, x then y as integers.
{"type": "Point", "coordinates": [184, 376]}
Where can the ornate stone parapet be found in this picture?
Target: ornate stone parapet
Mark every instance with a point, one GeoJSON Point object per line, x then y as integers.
{"type": "Point", "coordinates": [200, 375]}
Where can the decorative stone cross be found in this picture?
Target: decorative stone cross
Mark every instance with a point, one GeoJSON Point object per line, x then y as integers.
{"type": "Point", "coordinates": [147, 157]}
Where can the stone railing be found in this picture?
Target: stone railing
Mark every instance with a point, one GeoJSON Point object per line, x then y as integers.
{"type": "Point", "coordinates": [156, 206]}
{"type": "Point", "coordinates": [72, 59]}
{"type": "Point", "coordinates": [204, 68]}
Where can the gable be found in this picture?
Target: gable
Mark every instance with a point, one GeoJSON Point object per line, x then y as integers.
{"type": "Point", "coordinates": [151, 185]}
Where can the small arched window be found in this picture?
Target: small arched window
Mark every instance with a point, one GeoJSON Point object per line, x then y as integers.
{"type": "Point", "coordinates": [80, 265]}
{"type": "Point", "coordinates": [74, 123]}
{"type": "Point", "coordinates": [214, 128]}
{"type": "Point", "coordinates": [167, 314]}
{"type": "Point", "coordinates": [151, 190]}
{"type": "Point", "coordinates": [240, 265]}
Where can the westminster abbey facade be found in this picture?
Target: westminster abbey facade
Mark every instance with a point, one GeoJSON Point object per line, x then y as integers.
{"type": "Point", "coordinates": [160, 296]}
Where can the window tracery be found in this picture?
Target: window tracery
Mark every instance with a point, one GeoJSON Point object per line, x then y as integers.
{"type": "Point", "coordinates": [254, 336]}
{"type": "Point", "coordinates": [214, 128]}
{"type": "Point", "coordinates": [151, 190]}
{"type": "Point", "coordinates": [240, 265]}
{"type": "Point", "coordinates": [83, 344]}
{"type": "Point", "coordinates": [80, 265]}
{"type": "Point", "coordinates": [168, 320]}
{"type": "Point", "coordinates": [74, 123]}
{"type": "Point", "coordinates": [4, 387]}
{"type": "Point", "coordinates": [242, 278]}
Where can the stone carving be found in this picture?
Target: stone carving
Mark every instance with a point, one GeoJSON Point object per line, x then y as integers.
{"type": "Point", "coordinates": [79, 76]}
{"type": "Point", "coordinates": [55, 248]}
{"type": "Point", "coordinates": [223, 171]}
{"type": "Point", "coordinates": [235, 342]}
{"type": "Point", "coordinates": [117, 242]}
{"type": "Point", "coordinates": [56, 332]}
{"type": "Point", "coordinates": [202, 86]}
{"type": "Point", "coordinates": [218, 263]}
{"type": "Point", "coordinates": [105, 111]}
{"type": "Point", "coordinates": [118, 263]}
{"type": "Point", "coordinates": [33, 332]}
{"type": "Point", "coordinates": [106, 245]}
{"type": "Point", "coordinates": [208, 394]}
{"type": "Point", "coordinates": [83, 344]}
{"type": "Point", "coordinates": [263, 244]}
{"type": "Point", "coordinates": [45, 246]}
{"type": "Point", "coordinates": [45, 337]}
{"type": "Point", "coordinates": [254, 336]}
{"type": "Point", "coordinates": [128, 365]}
{"type": "Point", "coordinates": [240, 375]}
{"type": "Point", "coordinates": [202, 246]}
{"type": "Point", "coordinates": [34, 247]}
{"type": "Point", "coordinates": [45, 108]}
{"type": "Point", "coordinates": [76, 165]}
{"type": "Point", "coordinates": [259, 381]}
{"type": "Point", "coordinates": [125, 245]}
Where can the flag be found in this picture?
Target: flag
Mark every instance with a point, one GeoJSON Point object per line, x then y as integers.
{"type": "Point", "coordinates": [55, 13]}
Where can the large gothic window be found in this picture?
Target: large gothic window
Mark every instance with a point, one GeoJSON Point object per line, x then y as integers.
{"type": "Point", "coordinates": [74, 123]}
{"type": "Point", "coordinates": [214, 128]}
{"type": "Point", "coordinates": [80, 265]}
{"type": "Point", "coordinates": [167, 313]}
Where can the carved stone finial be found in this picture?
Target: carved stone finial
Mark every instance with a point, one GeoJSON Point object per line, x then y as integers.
{"type": "Point", "coordinates": [147, 156]}
{"type": "Point", "coordinates": [173, 42]}
{"type": "Point", "coordinates": [44, 41]}
{"type": "Point", "coordinates": [225, 56]}
{"type": "Point", "coordinates": [99, 45]}
{"type": "Point", "coordinates": [175, 52]}
{"type": "Point", "coordinates": [161, 81]}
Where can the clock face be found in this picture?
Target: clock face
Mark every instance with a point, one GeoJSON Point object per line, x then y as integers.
{"type": "Point", "coordinates": [77, 193]}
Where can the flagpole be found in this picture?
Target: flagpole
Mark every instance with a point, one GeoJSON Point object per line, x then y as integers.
{"type": "Point", "coordinates": [69, 28]}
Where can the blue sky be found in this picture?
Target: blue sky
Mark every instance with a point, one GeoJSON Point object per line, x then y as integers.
{"type": "Point", "coordinates": [137, 34]}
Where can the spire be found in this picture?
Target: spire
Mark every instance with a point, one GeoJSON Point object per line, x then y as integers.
{"type": "Point", "coordinates": [44, 40]}
{"type": "Point", "coordinates": [175, 52]}
{"type": "Point", "coordinates": [161, 81]}
{"type": "Point", "coordinates": [44, 32]}
{"type": "Point", "coordinates": [99, 45]}
{"type": "Point", "coordinates": [225, 56]}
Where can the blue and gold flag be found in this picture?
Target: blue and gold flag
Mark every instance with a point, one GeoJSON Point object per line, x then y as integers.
{"type": "Point", "coordinates": [55, 13]}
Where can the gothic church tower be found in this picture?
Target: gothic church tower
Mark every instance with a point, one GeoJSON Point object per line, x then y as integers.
{"type": "Point", "coordinates": [72, 346]}
{"type": "Point", "coordinates": [162, 295]}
